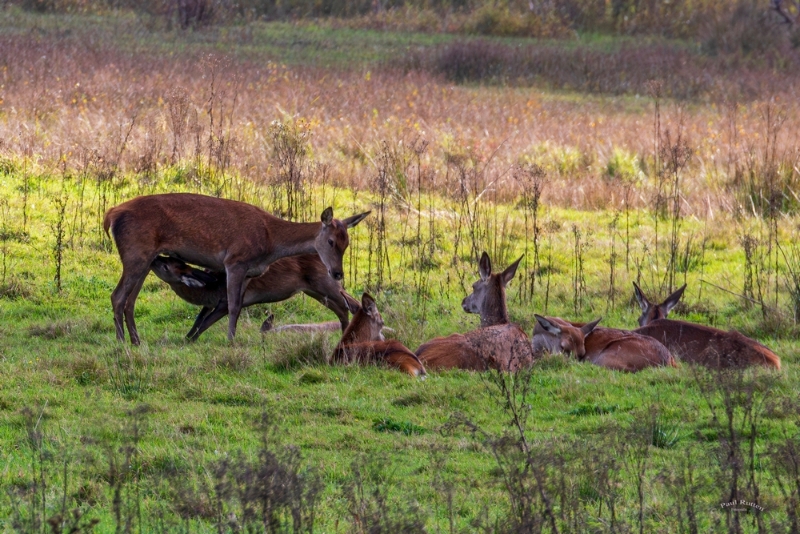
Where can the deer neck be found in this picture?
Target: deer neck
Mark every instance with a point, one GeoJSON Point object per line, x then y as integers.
{"type": "Point", "coordinates": [495, 310]}
{"type": "Point", "coordinates": [291, 239]}
{"type": "Point", "coordinates": [357, 331]}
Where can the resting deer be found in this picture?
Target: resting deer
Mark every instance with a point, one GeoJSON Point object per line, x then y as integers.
{"type": "Point", "coordinates": [219, 234]}
{"type": "Point", "coordinates": [283, 279]}
{"type": "Point", "coordinates": [363, 341]}
{"type": "Point", "coordinates": [615, 349]}
{"type": "Point", "coordinates": [697, 343]}
{"type": "Point", "coordinates": [498, 344]}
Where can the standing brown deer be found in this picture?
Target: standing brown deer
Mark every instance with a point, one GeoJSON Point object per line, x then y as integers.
{"type": "Point", "coordinates": [282, 280]}
{"type": "Point", "coordinates": [697, 343]}
{"type": "Point", "coordinates": [498, 344]}
{"type": "Point", "coordinates": [219, 234]}
{"type": "Point", "coordinates": [363, 341]}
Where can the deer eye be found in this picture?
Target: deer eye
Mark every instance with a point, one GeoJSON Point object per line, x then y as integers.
{"type": "Point", "coordinates": [330, 242]}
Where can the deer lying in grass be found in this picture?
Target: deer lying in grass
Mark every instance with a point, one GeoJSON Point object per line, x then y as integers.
{"type": "Point", "coordinates": [615, 349]}
{"type": "Point", "coordinates": [363, 341]}
{"type": "Point", "coordinates": [697, 343]}
{"type": "Point", "coordinates": [555, 335]}
{"type": "Point", "coordinates": [284, 278]}
{"type": "Point", "coordinates": [497, 344]}
{"type": "Point", "coordinates": [219, 234]}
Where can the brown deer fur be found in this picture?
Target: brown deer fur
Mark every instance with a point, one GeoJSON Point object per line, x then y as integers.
{"type": "Point", "coordinates": [555, 335]}
{"type": "Point", "coordinates": [697, 343]}
{"type": "Point", "coordinates": [497, 344]}
{"type": "Point", "coordinates": [284, 278]}
{"type": "Point", "coordinates": [219, 234]}
{"type": "Point", "coordinates": [363, 341]}
{"type": "Point", "coordinates": [622, 350]}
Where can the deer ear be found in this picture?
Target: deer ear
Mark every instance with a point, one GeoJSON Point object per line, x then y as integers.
{"type": "Point", "coordinates": [327, 216]}
{"type": "Point", "coordinates": [191, 281]}
{"type": "Point", "coordinates": [368, 304]}
{"type": "Point", "coordinates": [352, 304]}
{"type": "Point", "coordinates": [671, 301]}
{"type": "Point", "coordinates": [355, 219]}
{"type": "Point", "coordinates": [547, 325]}
{"type": "Point", "coordinates": [640, 298]}
{"type": "Point", "coordinates": [266, 326]}
{"type": "Point", "coordinates": [588, 327]}
{"type": "Point", "coordinates": [485, 266]}
{"type": "Point", "coordinates": [510, 271]}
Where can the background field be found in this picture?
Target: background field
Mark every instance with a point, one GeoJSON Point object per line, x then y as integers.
{"type": "Point", "coordinates": [605, 153]}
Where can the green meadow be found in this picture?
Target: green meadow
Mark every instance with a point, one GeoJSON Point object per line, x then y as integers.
{"type": "Point", "coordinates": [595, 189]}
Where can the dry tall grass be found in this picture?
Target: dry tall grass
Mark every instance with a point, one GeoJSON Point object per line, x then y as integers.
{"type": "Point", "coordinates": [75, 102]}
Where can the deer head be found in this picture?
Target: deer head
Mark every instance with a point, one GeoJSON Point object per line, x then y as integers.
{"type": "Point", "coordinates": [174, 271]}
{"type": "Point", "coordinates": [367, 323]}
{"type": "Point", "coordinates": [652, 312]}
{"type": "Point", "coordinates": [488, 296]}
{"type": "Point", "coordinates": [332, 240]}
{"type": "Point", "coordinates": [556, 335]}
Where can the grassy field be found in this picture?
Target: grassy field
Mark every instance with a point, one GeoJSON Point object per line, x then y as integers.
{"type": "Point", "coordinates": [596, 190]}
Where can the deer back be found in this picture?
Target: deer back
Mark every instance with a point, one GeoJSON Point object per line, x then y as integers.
{"type": "Point", "coordinates": [698, 343]}
{"type": "Point", "coordinates": [214, 232]}
{"type": "Point", "coordinates": [502, 347]}
{"type": "Point", "coordinates": [290, 275]}
{"type": "Point", "coordinates": [709, 346]}
{"type": "Point", "coordinates": [622, 350]}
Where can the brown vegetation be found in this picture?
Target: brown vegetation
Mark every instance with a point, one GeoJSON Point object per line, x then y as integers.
{"type": "Point", "coordinates": [102, 111]}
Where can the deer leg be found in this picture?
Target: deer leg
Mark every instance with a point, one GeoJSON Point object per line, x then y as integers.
{"type": "Point", "coordinates": [128, 310]}
{"type": "Point", "coordinates": [333, 305]}
{"type": "Point", "coordinates": [236, 285]}
{"type": "Point", "coordinates": [123, 299]}
{"type": "Point", "coordinates": [212, 317]}
{"type": "Point", "coordinates": [197, 320]}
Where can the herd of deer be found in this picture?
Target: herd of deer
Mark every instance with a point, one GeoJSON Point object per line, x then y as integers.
{"type": "Point", "coordinates": [253, 257]}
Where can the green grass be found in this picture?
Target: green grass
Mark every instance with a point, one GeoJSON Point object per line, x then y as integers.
{"type": "Point", "coordinates": [74, 400]}
{"type": "Point", "coordinates": [62, 366]}
{"type": "Point", "coordinates": [305, 43]}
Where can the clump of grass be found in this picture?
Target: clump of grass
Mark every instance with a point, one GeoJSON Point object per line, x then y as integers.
{"type": "Point", "coordinates": [553, 362]}
{"type": "Point", "coordinates": [403, 427]}
{"type": "Point", "coordinates": [86, 370]}
{"type": "Point", "coordinates": [593, 409]}
{"type": "Point", "coordinates": [271, 492]}
{"type": "Point", "coordinates": [129, 372]}
{"type": "Point", "coordinates": [312, 377]}
{"type": "Point", "coordinates": [370, 505]}
{"type": "Point", "coordinates": [665, 434]}
{"type": "Point", "coordinates": [232, 359]}
{"type": "Point", "coordinates": [623, 165]}
{"type": "Point", "coordinates": [414, 399]}
{"type": "Point", "coordinates": [296, 351]}
{"type": "Point", "coordinates": [54, 330]}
